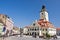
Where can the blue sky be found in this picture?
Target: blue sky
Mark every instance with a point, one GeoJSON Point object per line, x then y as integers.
{"type": "Point", "coordinates": [24, 12]}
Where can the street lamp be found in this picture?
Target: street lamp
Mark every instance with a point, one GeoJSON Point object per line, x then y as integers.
{"type": "Point", "coordinates": [21, 32]}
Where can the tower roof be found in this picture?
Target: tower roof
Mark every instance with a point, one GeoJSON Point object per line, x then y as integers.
{"type": "Point", "coordinates": [45, 24]}
{"type": "Point", "coordinates": [43, 8]}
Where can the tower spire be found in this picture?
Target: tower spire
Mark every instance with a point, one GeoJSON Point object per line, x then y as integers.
{"type": "Point", "coordinates": [43, 8]}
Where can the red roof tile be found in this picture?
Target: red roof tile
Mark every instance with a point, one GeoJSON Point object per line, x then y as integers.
{"type": "Point", "coordinates": [43, 24]}
{"type": "Point", "coordinates": [57, 28]}
{"type": "Point", "coordinates": [46, 24]}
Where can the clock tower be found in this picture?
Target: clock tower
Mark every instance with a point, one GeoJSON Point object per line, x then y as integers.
{"type": "Point", "coordinates": [44, 14]}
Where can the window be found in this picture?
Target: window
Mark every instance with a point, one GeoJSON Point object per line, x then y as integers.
{"type": "Point", "coordinates": [59, 34]}
{"type": "Point", "coordinates": [43, 29]}
{"type": "Point", "coordinates": [7, 16]}
{"type": "Point", "coordinates": [32, 29]}
{"type": "Point", "coordinates": [39, 29]}
{"type": "Point", "coordinates": [46, 29]}
{"type": "Point", "coordinates": [28, 29]}
{"type": "Point", "coordinates": [3, 16]}
{"type": "Point", "coordinates": [42, 13]}
{"type": "Point", "coordinates": [45, 18]}
{"type": "Point", "coordinates": [35, 29]}
{"type": "Point", "coordinates": [38, 34]}
{"type": "Point", "coordinates": [34, 24]}
{"type": "Point", "coordinates": [30, 33]}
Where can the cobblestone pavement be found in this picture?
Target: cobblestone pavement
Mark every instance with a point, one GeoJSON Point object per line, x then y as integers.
{"type": "Point", "coordinates": [24, 38]}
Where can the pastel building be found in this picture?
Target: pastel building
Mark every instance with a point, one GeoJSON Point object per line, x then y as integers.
{"type": "Point", "coordinates": [7, 22]}
{"type": "Point", "coordinates": [42, 26]}
{"type": "Point", "coordinates": [16, 30]}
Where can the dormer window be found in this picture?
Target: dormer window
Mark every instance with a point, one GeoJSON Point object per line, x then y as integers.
{"type": "Point", "coordinates": [34, 24]}
{"type": "Point", "coordinates": [7, 16]}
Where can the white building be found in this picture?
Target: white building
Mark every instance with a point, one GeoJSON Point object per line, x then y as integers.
{"type": "Point", "coordinates": [42, 26]}
{"type": "Point", "coordinates": [16, 30]}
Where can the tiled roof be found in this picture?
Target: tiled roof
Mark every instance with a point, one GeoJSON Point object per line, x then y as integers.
{"type": "Point", "coordinates": [42, 23]}
{"type": "Point", "coordinates": [15, 28]}
{"type": "Point", "coordinates": [57, 28]}
{"type": "Point", "coordinates": [28, 26]}
{"type": "Point", "coordinates": [45, 24]}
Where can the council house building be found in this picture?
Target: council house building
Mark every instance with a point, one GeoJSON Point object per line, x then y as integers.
{"type": "Point", "coordinates": [42, 26]}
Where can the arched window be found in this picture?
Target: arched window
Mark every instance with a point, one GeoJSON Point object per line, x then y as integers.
{"type": "Point", "coordinates": [34, 24]}
{"type": "Point", "coordinates": [42, 13]}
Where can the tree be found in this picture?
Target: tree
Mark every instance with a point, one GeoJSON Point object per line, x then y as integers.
{"type": "Point", "coordinates": [47, 35]}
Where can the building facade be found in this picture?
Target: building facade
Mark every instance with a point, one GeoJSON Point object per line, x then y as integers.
{"type": "Point", "coordinates": [42, 26]}
{"type": "Point", "coordinates": [58, 31]}
{"type": "Point", "coordinates": [16, 30]}
{"type": "Point", "coordinates": [1, 28]}
{"type": "Point", "coordinates": [7, 22]}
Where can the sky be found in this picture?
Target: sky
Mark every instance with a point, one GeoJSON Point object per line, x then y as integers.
{"type": "Point", "coordinates": [24, 12]}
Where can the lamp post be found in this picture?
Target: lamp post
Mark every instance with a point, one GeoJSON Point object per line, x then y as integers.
{"type": "Point", "coordinates": [21, 32]}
